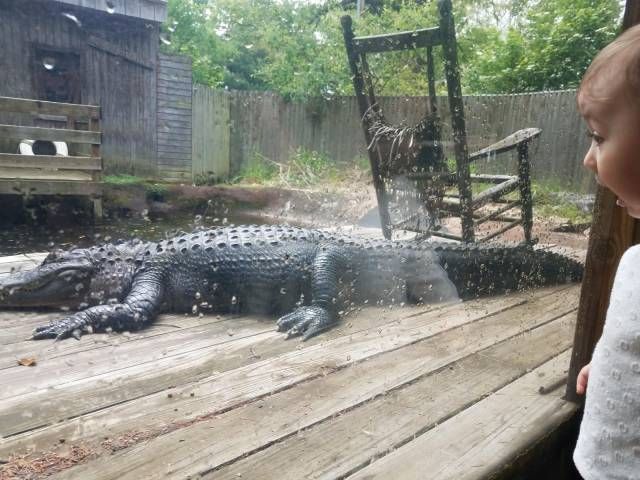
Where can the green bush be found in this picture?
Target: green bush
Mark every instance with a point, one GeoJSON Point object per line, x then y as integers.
{"type": "Point", "coordinates": [259, 170]}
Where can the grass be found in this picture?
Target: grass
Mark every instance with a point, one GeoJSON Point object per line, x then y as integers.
{"type": "Point", "coordinates": [308, 169]}
{"type": "Point", "coordinates": [304, 169]}
{"type": "Point", "coordinates": [547, 203]}
{"type": "Point", "coordinates": [154, 191]}
{"type": "Point", "coordinates": [123, 180]}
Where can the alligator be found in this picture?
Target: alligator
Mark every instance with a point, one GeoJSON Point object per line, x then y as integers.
{"type": "Point", "coordinates": [309, 278]}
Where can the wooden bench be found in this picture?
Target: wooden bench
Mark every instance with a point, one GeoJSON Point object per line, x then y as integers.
{"type": "Point", "coordinates": [52, 174]}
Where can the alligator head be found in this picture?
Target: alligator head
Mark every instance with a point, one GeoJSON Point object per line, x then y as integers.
{"type": "Point", "coordinates": [63, 279]}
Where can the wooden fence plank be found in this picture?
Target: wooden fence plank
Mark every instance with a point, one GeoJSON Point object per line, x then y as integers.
{"type": "Point", "coordinates": [52, 134]}
{"type": "Point", "coordinates": [36, 107]}
{"type": "Point", "coordinates": [50, 162]}
{"type": "Point", "coordinates": [8, 173]}
{"type": "Point", "coordinates": [211, 132]}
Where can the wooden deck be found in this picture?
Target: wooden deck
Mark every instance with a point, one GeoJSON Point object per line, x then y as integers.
{"type": "Point", "coordinates": [459, 391]}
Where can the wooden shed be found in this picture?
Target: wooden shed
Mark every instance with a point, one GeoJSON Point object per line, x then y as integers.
{"type": "Point", "coordinates": [103, 53]}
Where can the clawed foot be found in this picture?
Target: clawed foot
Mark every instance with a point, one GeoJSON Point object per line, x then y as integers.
{"type": "Point", "coordinates": [59, 329]}
{"type": "Point", "coordinates": [306, 321]}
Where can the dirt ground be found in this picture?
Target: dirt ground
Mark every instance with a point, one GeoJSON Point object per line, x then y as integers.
{"type": "Point", "coordinates": [355, 207]}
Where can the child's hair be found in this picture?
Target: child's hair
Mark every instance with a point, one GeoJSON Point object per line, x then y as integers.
{"type": "Point", "coordinates": [622, 55]}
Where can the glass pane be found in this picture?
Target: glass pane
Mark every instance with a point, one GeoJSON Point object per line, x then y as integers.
{"type": "Point", "coordinates": [288, 238]}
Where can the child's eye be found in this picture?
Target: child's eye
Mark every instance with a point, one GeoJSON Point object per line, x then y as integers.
{"type": "Point", "coordinates": [595, 137]}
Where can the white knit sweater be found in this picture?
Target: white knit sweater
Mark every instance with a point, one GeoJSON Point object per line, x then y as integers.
{"type": "Point", "coordinates": [609, 441]}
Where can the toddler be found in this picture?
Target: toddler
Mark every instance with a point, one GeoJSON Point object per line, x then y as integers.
{"type": "Point", "coordinates": [609, 100]}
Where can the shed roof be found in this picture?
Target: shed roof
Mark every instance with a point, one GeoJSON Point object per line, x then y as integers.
{"type": "Point", "coordinates": [154, 10]}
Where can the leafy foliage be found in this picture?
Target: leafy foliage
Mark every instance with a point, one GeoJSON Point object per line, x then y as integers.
{"type": "Point", "coordinates": [296, 48]}
{"type": "Point", "coordinates": [549, 48]}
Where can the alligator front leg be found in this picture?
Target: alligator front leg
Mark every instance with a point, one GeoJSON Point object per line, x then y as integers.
{"type": "Point", "coordinates": [137, 310]}
{"type": "Point", "coordinates": [322, 314]}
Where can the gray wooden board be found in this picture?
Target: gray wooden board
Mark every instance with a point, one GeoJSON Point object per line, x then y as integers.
{"type": "Point", "coordinates": [146, 369]}
{"type": "Point", "coordinates": [53, 134]}
{"type": "Point", "coordinates": [484, 438]}
{"type": "Point", "coordinates": [34, 107]}
{"type": "Point", "coordinates": [142, 374]}
{"type": "Point", "coordinates": [49, 162]}
{"type": "Point", "coordinates": [16, 263]}
{"type": "Point", "coordinates": [206, 445]}
{"type": "Point", "coordinates": [218, 349]}
{"type": "Point", "coordinates": [361, 435]}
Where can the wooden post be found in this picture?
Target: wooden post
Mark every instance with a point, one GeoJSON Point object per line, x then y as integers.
{"type": "Point", "coordinates": [94, 126]}
{"type": "Point", "coordinates": [612, 232]}
{"type": "Point", "coordinates": [524, 175]}
{"type": "Point", "coordinates": [458, 126]}
{"type": "Point", "coordinates": [359, 87]}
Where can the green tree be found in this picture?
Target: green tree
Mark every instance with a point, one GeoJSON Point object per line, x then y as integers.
{"type": "Point", "coordinates": [549, 48]}
{"type": "Point", "coordinates": [188, 31]}
{"type": "Point", "coordinates": [296, 48]}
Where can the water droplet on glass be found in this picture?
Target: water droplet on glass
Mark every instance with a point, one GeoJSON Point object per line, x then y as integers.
{"type": "Point", "coordinates": [73, 18]}
{"type": "Point", "coordinates": [49, 63]}
{"type": "Point", "coordinates": [110, 6]}
{"type": "Point", "coordinates": [165, 40]}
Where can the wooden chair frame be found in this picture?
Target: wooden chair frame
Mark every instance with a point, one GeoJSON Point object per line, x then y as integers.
{"type": "Point", "coordinates": [464, 204]}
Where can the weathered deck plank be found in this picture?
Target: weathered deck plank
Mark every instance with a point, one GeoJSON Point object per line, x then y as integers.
{"type": "Point", "coordinates": [150, 365]}
{"type": "Point", "coordinates": [9, 173]}
{"type": "Point", "coordinates": [484, 438]}
{"type": "Point", "coordinates": [354, 438]}
{"type": "Point", "coordinates": [167, 457]}
{"type": "Point", "coordinates": [16, 263]}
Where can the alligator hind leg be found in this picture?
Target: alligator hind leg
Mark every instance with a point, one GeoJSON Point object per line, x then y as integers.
{"type": "Point", "coordinates": [309, 320]}
{"type": "Point", "coordinates": [138, 309]}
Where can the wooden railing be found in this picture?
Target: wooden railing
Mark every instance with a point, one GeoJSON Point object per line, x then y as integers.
{"type": "Point", "coordinates": [52, 174]}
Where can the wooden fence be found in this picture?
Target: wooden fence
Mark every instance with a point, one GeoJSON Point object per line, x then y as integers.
{"type": "Point", "coordinates": [174, 117]}
{"type": "Point", "coordinates": [52, 173]}
{"type": "Point", "coordinates": [230, 128]}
